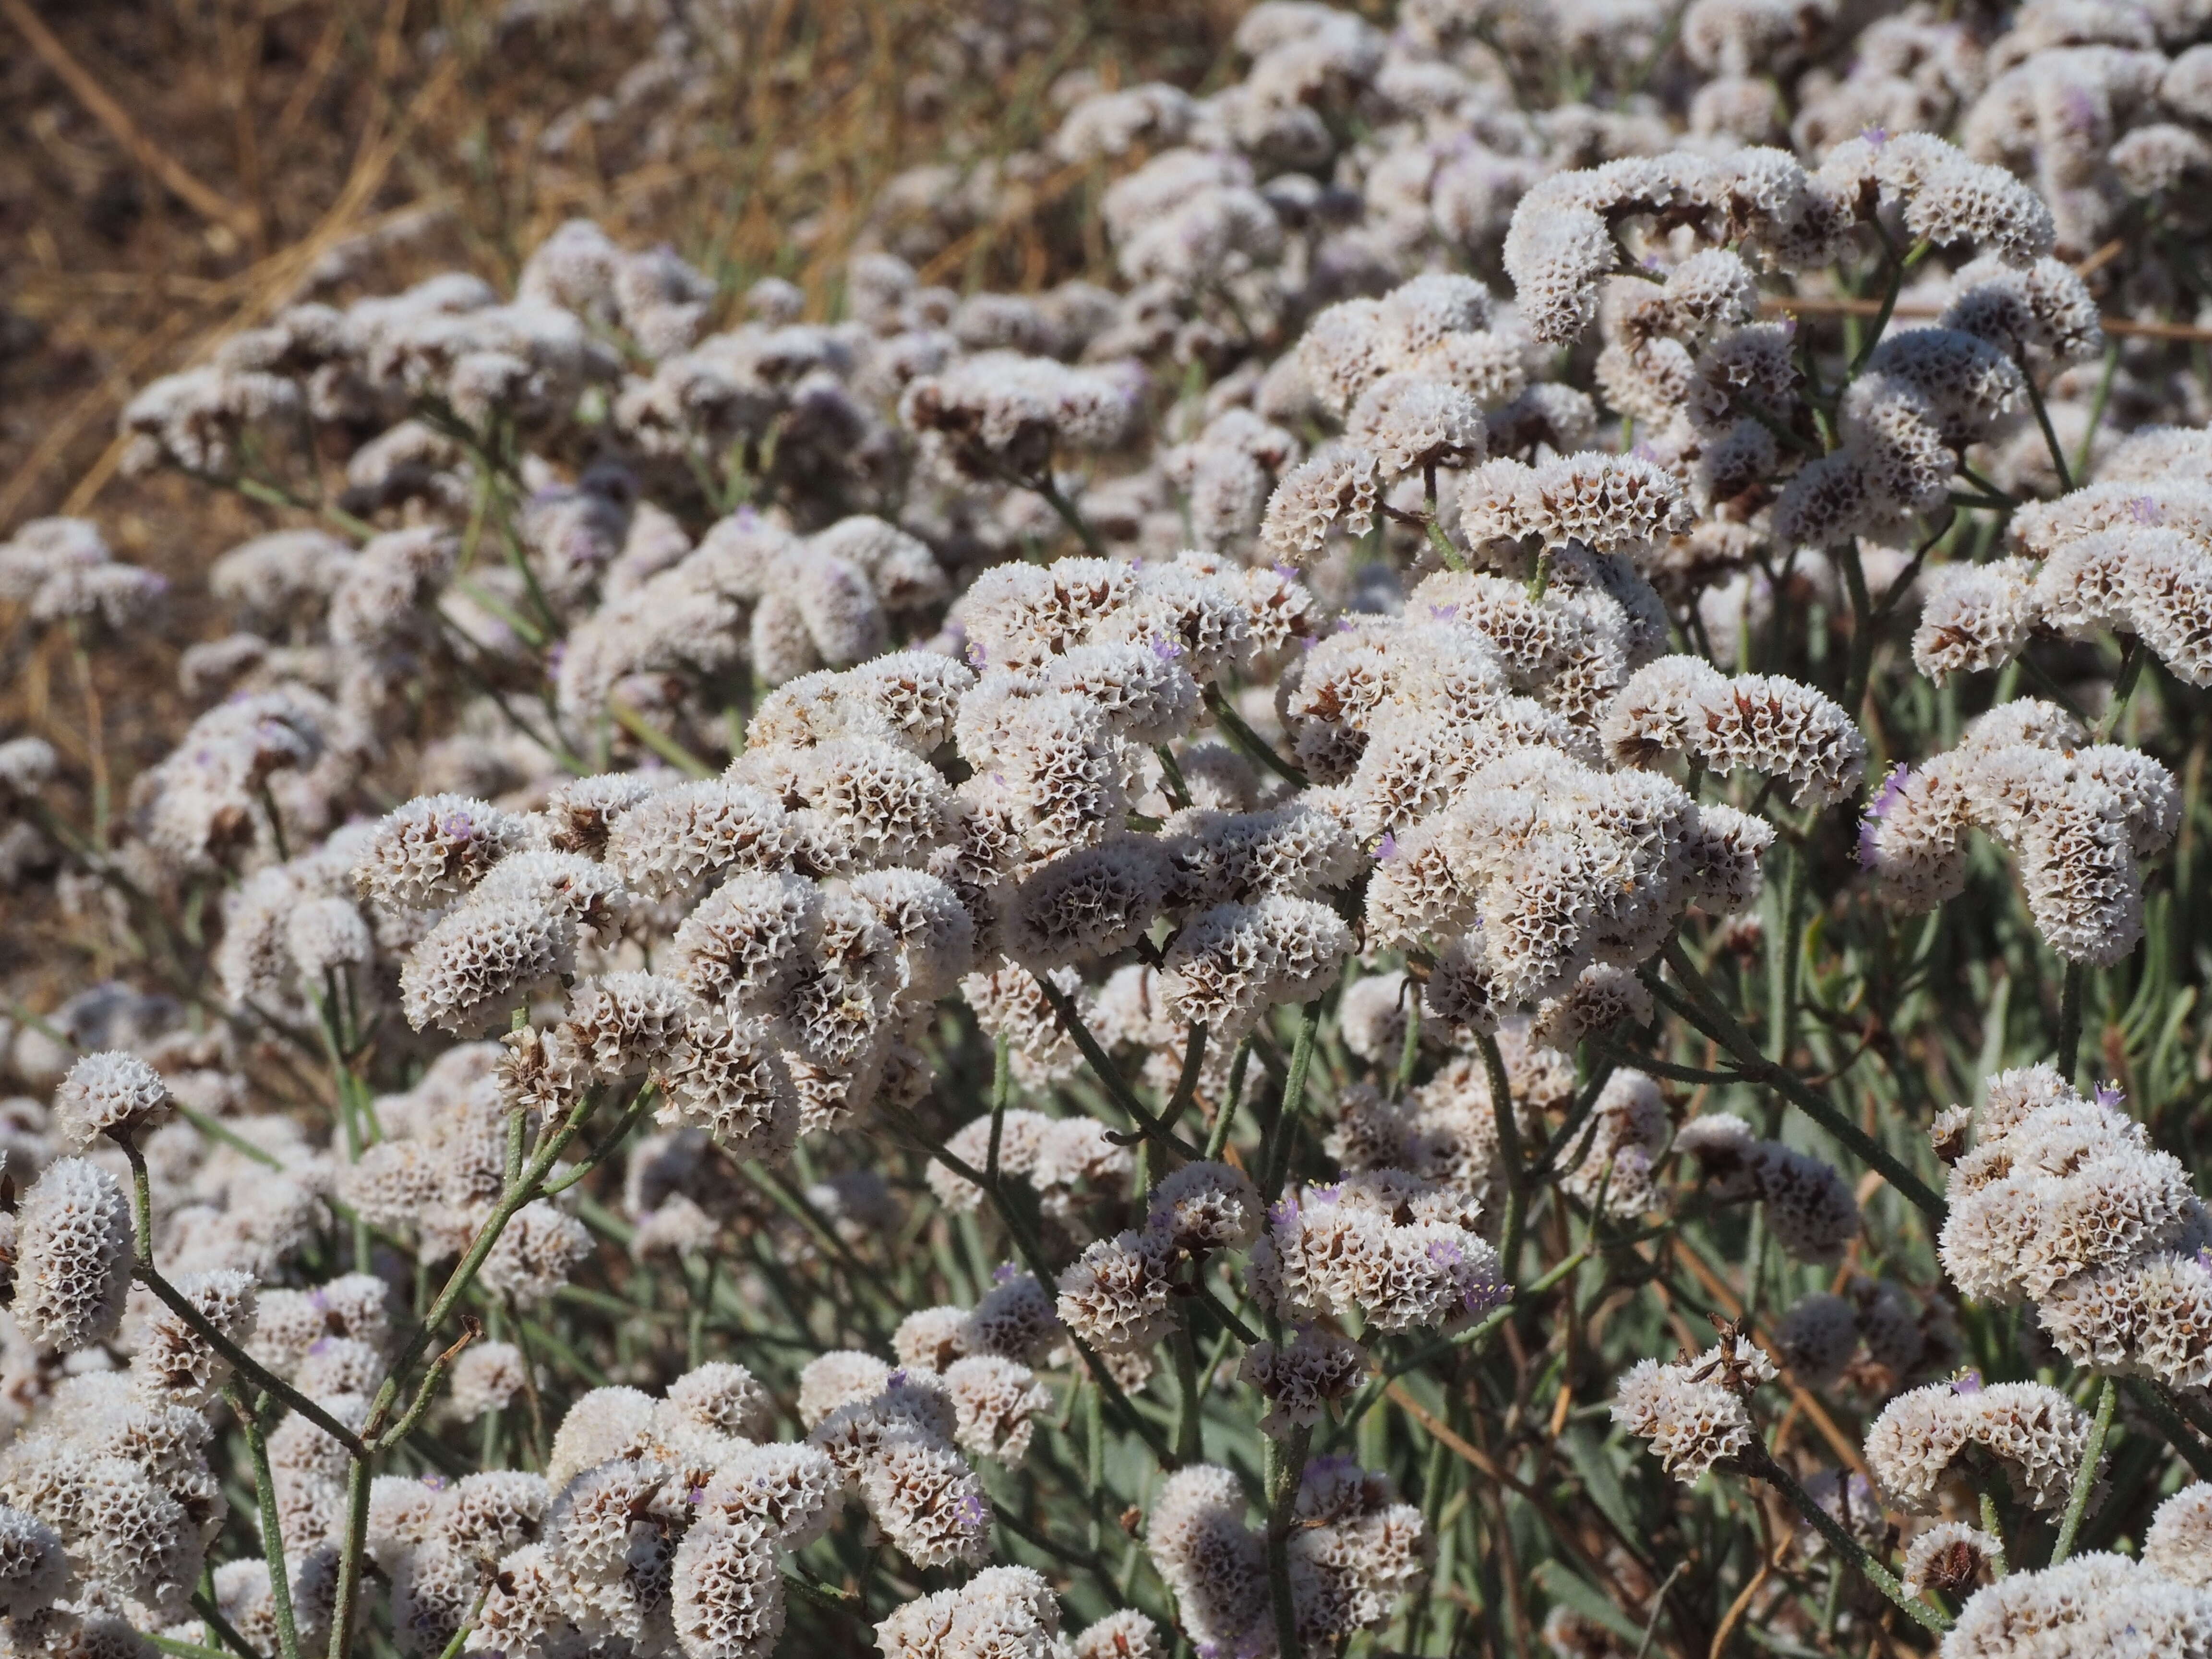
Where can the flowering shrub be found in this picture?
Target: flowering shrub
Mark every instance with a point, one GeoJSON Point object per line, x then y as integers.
{"type": "Point", "coordinates": [1291, 959]}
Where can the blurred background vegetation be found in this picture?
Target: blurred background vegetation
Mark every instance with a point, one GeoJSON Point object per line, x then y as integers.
{"type": "Point", "coordinates": [174, 170]}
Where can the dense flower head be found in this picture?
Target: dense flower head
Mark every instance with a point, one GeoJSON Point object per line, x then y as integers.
{"type": "Point", "coordinates": [108, 1093]}
{"type": "Point", "coordinates": [2034, 1433]}
{"type": "Point", "coordinates": [2094, 1604]}
{"type": "Point", "coordinates": [2079, 817]}
{"type": "Point", "coordinates": [73, 1241]}
{"type": "Point", "coordinates": [2062, 1199]}
{"type": "Point", "coordinates": [1406, 1253]}
{"type": "Point", "coordinates": [1692, 1413]}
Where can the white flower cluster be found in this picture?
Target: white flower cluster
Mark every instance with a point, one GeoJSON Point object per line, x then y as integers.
{"type": "Point", "coordinates": [1303, 1376]}
{"type": "Point", "coordinates": [106, 1493]}
{"type": "Point", "coordinates": [1401, 1252]}
{"type": "Point", "coordinates": [892, 1438]}
{"type": "Point", "coordinates": [2033, 1432]}
{"type": "Point", "coordinates": [1354, 1552]}
{"type": "Point", "coordinates": [897, 1436]}
{"type": "Point", "coordinates": [2064, 1202]}
{"type": "Point", "coordinates": [2129, 554]}
{"type": "Point", "coordinates": [73, 1244]}
{"type": "Point", "coordinates": [1007, 1613]}
{"type": "Point", "coordinates": [2079, 817]}
{"type": "Point", "coordinates": [598, 535]}
{"type": "Point", "coordinates": [2178, 1542]}
{"type": "Point", "coordinates": [1065, 1160]}
{"type": "Point", "coordinates": [1951, 1557]}
{"type": "Point", "coordinates": [1469, 734]}
{"type": "Point", "coordinates": [657, 1524]}
{"type": "Point", "coordinates": [2089, 1605]}
{"type": "Point", "coordinates": [1693, 1413]}
{"type": "Point", "coordinates": [982, 1358]}
{"type": "Point", "coordinates": [1564, 235]}
{"type": "Point", "coordinates": [252, 775]}
{"type": "Point", "coordinates": [1119, 1296]}
{"type": "Point", "coordinates": [63, 570]}
{"type": "Point", "coordinates": [1445, 1130]}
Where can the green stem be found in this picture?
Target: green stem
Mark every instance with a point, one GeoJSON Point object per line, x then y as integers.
{"type": "Point", "coordinates": [1002, 1088]}
{"type": "Point", "coordinates": [267, 495]}
{"type": "Point", "coordinates": [346, 1602]}
{"type": "Point", "coordinates": [1289, 1459]}
{"type": "Point", "coordinates": [95, 732]}
{"type": "Point", "coordinates": [1718, 1023]}
{"type": "Point", "coordinates": [2085, 1476]}
{"type": "Point", "coordinates": [1762, 1465]}
{"type": "Point", "coordinates": [272, 1536]}
{"type": "Point", "coordinates": [1254, 746]}
{"type": "Point", "coordinates": [1094, 1442]}
{"type": "Point", "coordinates": [1889, 294]}
{"type": "Point", "coordinates": [203, 1604]}
{"type": "Point", "coordinates": [1294, 1093]}
{"type": "Point", "coordinates": [2098, 401]}
{"type": "Point", "coordinates": [658, 741]}
{"type": "Point", "coordinates": [1218, 1139]}
{"type": "Point", "coordinates": [1846, 557]}
{"type": "Point", "coordinates": [1782, 963]}
{"type": "Point", "coordinates": [428, 1391]}
{"type": "Point", "coordinates": [825, 1596]}
{"type": "Point", "coordinates": [212, 1616]}
{"type": "Point", "coordinates": [1540, 578]}
{"type": "Point", "coordinates": [1409, 1051]}
{"type": "Point", "coordinates": [640, 1103]}
{"type": "Point", "coordinates": [215, 1129]}
{"type": "Point", "coordinates": [1186, 1089]}
{"type": "Point", "coordinates": [2050, 688]}
{"type": "Point", "coordinates": [1451, 556]}
{"type": "Point", "coordinates": [550, 1146]}
{"type": "Point", "coordinates": [1177, 792]}
{"type": "Point", "coordinates": [2124, 687]}
{"type": "Point", "coordinates": [1509, 1155]}
{"type": "Point", "coordinates": [1584, 1105]}
{"type": "Point", "coordinates": [1044, 484]}
{"type": "Point", "coordinates": [194, 1650]}
{"type": "Point", "coordinates": [1894, 594]}
{"type": "Point", "coordinates": [1222, 1311]}
{"type": "Point", "coordinates": [1070, 1020]}
{"type": "Point", "coordinates": [1658, 1606]}
{"type": "Point", "coordinates": [346, 1087]}
{"type": "Point", "coordinates": [2198, 1416]}
{"type": "Point", "coordinates": [452, 1649]}
{"type": "Point", "coordinates": [2043, 420]}
{"type": "Point", "coordinates": [1187, 1398]}
{"type": "Point", "coordinates": [2069, 1020]}
{"type": "Point", "coordinates": [243, 1365]}
{"type": "Point", "coordinates": [1073, 1554]}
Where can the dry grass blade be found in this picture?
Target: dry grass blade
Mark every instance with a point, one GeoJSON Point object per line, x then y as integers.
{"type": "Point", "coordinates": [111, 114]}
